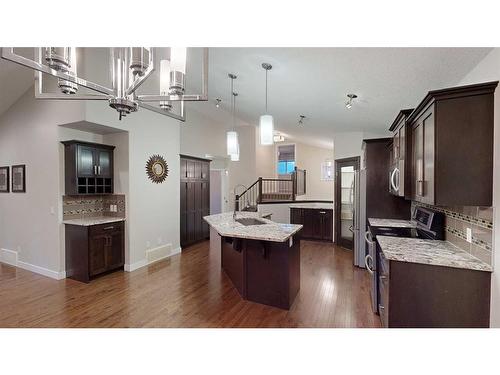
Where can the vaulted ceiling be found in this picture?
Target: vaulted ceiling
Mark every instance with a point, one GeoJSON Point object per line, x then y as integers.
{"type": "Point", "coordinates": [313, 82]}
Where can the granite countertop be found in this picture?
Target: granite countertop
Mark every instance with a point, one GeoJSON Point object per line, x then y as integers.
{"type": "Point", "coordinates": [437, 253]}
{"type": "Point", "coordinates": [270, 231]}
{"type": "Point", "coordinates": [313, 205]}
{"type": "Point", "coordinates": [391, 223]}
{"type": "Point", "coordinates": [88, 221]}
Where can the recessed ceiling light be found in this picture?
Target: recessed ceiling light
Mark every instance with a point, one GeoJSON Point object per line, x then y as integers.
{"type": "Point", "coordinates": [348, 104]}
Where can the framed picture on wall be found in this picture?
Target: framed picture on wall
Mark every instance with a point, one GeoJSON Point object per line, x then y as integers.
{"type": "Point", "coordinates": [4, 179]}
{"type": "Point", "coordinates": [19, 178]}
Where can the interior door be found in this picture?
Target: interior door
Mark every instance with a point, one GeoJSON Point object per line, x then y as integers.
{"type": "Point", "coordinates": [346, 202]}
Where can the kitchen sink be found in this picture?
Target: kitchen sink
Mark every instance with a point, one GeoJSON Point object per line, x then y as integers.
{"type": "Point", "coordinates": [250, 221]}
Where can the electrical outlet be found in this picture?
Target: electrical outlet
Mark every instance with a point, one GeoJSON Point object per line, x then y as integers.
{"type": "Point", "coordinates": [111, 208]}
{"type": "Point", "coordinates": [469, 235]}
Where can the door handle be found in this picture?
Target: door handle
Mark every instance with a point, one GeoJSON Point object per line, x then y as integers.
{"type": "Point", "coordinates": [393, 174]}
{"type": "Point", "coordinates": [368, 256]}
{"type": "Point", "coordinates": [95, 169]}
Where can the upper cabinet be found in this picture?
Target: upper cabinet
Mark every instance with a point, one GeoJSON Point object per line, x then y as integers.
{"type": "Point", "coordinates": [88, 168]}
{"type": "Point", "coordinates": [452, 147]}
{"type": "Point", "coordinates": [400, 170]}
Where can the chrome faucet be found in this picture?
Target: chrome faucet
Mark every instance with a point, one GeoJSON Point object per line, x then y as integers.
{"type": "Point", "coordinates": [237, 199]}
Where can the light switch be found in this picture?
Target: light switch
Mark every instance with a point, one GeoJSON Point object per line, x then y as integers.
{"type": "Point", "coordinates": [469, 235]}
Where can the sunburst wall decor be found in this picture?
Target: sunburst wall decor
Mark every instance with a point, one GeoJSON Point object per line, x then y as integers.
{"type": "Point", "coordinates": [157, 169]}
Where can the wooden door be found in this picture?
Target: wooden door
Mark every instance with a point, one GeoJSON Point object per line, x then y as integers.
{"type": "Point", "coordinates": [86, 164]}
{"type": "Point", "coordinates": [205, 209]}
{"type": "Point", "coordinates": [98, 254]}
{"type": "Point", "coordinates": [115, 253]}
{"type": "Point", "coordinates": [191, 169]}
{"type": "Point", "coordinates": [205, 171]}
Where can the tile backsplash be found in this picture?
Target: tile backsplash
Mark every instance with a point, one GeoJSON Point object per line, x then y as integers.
{"type": "Point", "coordinates": [478, 219]}
{"type": "Point", "coordinates": [76, 207]}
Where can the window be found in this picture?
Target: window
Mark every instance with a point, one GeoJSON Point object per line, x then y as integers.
{"type": "Point", "coordinates": [286, 166]}
{"type": "Point", "coordinates": [327, 171]}
{"type": "Point", "coordinates": [286, 160]}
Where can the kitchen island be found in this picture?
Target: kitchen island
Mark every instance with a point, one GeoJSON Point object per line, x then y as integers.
{"type": "Point", "coordinates": [261, 257]}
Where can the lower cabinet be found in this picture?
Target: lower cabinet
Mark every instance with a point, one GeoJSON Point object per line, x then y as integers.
{"type": "Point", "coordinates": [318, 223]}
{"type": "Point", "coordinates": [93, 250]}
{"type": "Point", "coordinates": [412, 295]}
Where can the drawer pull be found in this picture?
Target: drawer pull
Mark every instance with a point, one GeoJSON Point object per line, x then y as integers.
{"type": "Point", "coordinates": [322, 212]}
{"type": "Point", "coordinates": [108, 228]}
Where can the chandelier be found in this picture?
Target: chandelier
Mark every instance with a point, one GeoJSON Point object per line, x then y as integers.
{"type": "Point", "coordinates": [129, 68]}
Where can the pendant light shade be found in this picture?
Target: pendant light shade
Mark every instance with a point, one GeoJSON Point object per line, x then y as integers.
{"type": "Point", "coordinates": [232, 142]}
{"type": "Point", "coordinates": [266, 122]}
{"type": "Point", "coordinates": [266, 129]}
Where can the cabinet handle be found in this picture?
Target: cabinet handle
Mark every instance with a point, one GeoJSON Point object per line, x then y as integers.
{"type": "Point", "coordinates": [420, 188]}
{"type": "Point", "coordinates": [108, 228]}
{"type": "Point", "coordinates": [322, 212]}
{"type": "Point", "coordinates": [380, 307]}
{"type": "Point", "coordinates": [95, 169]}
{"type": "Point", "coordinates": [99, 170]}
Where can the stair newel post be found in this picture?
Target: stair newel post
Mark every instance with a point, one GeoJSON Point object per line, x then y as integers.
{"type": "Point", "coordinates": [294, 184]}
{"type": "Point", "coordinates": [259, 197]}
{"type": "Point", "coordinates": [237, 202]}
{"type": "Point", "coordinates": [304, 182]}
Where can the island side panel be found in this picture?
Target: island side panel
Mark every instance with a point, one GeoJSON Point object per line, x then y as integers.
{"type": "Point", "coordinates": [294, 269]}
{"type": "Point", "coordinates": [267, 270]}
{"type": "Point", "coordinates": [233, 261]}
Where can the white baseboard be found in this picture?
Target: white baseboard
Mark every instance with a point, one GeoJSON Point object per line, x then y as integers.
{"type": "Point", "coordinates": [11, 257]}
{"type": "Point", "coordinates": [8, 257]}
{"type": "Point", "coordinates": [41, 270]}
{"type": "Point", "coordinates": [153, 256]}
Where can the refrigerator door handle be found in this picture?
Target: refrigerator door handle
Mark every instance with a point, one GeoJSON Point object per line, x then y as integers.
{"type": "Point", "coordinates": [368, 256]}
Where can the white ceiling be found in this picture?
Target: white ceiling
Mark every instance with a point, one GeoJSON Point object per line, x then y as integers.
{"type": "Point", "coordinates": [313, 82]}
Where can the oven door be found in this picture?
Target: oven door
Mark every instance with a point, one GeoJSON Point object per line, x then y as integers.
{"type": "Point", "coordinates": [371, 267]}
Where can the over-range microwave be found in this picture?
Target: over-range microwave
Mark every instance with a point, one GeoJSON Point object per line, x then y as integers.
{"type": "Point", "coordinates": [396, 179]}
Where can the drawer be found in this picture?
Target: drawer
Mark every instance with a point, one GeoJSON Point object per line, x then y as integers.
{"type": "Point", "coordinates": [106, 228]}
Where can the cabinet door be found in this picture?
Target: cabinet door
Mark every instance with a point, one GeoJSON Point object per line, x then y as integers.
{"type": "Point", "coordinates": [86, 164]}
{"type": "Point", "coordinates": [205, 171]}
{"type": "Point", "coordinates": [98, 254]}
{"type": "Point", "coordinates": [312, 220]}
{"type": "Point", "coordinates": [205, 208]}
{"type": "Point", "coordinates": [115, 250]}
{"type": "Point", "coordinates": [395, 147]}
{"type": "Point", "coordinates": [184, 169]}
{"type": "Point", "coordinates": [190, 213]}
{"type": "Point", "coordinates": [326, 224]}
{"type": "Point", "coordinates": [190, 168]}
{"type": "Point", "coordinates": [296, 216]}
{"type": "Point", "coordinates": [418, 162]}
{"type": "Point", "coordinates": [104, 163]}
{"type": "Point", "coordinates": [402, 143]}
{"type": "Point", "coordinates": [429, 149]}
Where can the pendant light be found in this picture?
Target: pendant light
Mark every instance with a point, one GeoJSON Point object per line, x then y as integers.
{"type": "Point", "coordinates": [236, 155]}
{"type": "Point", "coordinates": [266, 123]}
{"type": "Point", "coordinates": [232, 135]}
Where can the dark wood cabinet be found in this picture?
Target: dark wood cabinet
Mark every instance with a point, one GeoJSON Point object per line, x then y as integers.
{"type": "Point", "coordinates": [93, 250]}
{"type": "Point", "coordinates": [195, 199]}
{"type": "Point", "coordinates": [88, 168]}
{"type": "Point", "coordinates": [452, 147]}
{"type": "Point", "coordinates": [318, 223]}
{"type": "Point", "coordinates": [400, 157]}
{"type": "Point", "coordinates": [415, 295]}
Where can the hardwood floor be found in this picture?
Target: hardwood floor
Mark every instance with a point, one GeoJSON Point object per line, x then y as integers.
{"type": "Point", "coordinates": [189, 290]}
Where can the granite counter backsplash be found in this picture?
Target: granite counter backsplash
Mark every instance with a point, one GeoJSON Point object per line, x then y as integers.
{"type": "Point", "coordinates": [78, 207]}
{"type": "Point", "coordinates": [458, 219]}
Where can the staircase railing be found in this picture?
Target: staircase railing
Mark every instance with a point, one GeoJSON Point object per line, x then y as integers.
{"type": "Point", "coordinates": [272, 190]}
